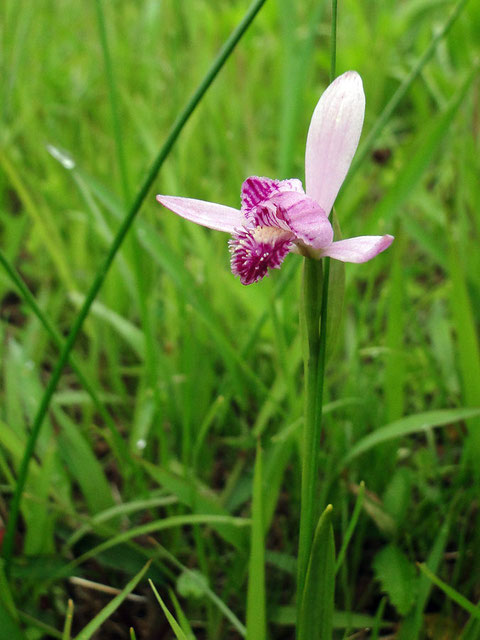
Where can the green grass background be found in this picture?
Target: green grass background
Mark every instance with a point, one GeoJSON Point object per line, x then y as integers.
{"type": "Point", "coordinates": [191, 366]}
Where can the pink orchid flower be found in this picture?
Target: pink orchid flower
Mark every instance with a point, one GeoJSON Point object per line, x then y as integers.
{"type": "Point", "coordinates": [277, 216]}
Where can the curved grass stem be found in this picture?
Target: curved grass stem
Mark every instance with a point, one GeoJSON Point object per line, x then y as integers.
{"type": "Point", "coordinates": [175, 131]}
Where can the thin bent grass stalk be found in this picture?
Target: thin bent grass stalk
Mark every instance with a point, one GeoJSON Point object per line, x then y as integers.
{"type": "Point", "coordinates": [315, 288]}
{"type": "Point", "coordinates": [333, 42]}
{"type": "Point", "coordinates": [175, 131]}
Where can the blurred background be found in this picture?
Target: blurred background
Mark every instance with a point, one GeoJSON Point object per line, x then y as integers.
{"type": "Point", "coordinates": [190, 366]}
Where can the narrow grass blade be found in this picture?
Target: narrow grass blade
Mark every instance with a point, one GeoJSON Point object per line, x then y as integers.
{"type": "Point", "coordinates": [88, 631]}
{"type": "Point", "coordinates": [161, 525]}
{"type": "Point", "coordinates": [412, 624]}
{"type": "Point", "coordinates": [378, 619]}
{"type": "Point", "coordinates": [310, 311]}
{"type": "Point", "coordinates": [256, 613]}
{"type": "Point", "coordinates": [47, 629]}
{"type": "Point", "coordinates": [450, 592]}
{"type": "Point", "coordinates": [182, 618]}
{"type": "Point", "coordinates": [178, 126]}
{"type": "Point", "coordinates": [406, 426]}
{"type": "Point", "coordinates": [286, 616]}
{"type": "Point", "coordinates": [176, 628]}
{"type": "Point", "coordinates": [6, 598]}
{"type": "Point", "coordinates": [279, 455]}
{"type": "Point", "coordinates": [297, 48]}
{"type": "Point", "coordinates": [132, 335]}
{"type": "Point", "coordinates": [95, 523]}
{"type": "Point", "coordinates": [112, 91]}
{"type": "Point", "coordinates": [316, 611]}
{"type": "Point", "coordinates": [40, 522]}
{"type": "Point", "coordinates": [351, 527]}
{"type": "Point", "coordinates": [472, 629]}
{"type": "Point", "coordinates": [395, 367]}
{"type": "Point", "coordinates": [67, 627]}
{"type": "Point", "coordinates": [211, 595]}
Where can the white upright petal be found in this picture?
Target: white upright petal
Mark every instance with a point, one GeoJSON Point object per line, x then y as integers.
{"type": "Point", "coordinates": [208, 214]}
{"type": "Point", "coordinates": [333, 138]}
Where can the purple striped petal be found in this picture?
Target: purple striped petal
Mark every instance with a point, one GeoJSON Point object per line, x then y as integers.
{"type": "Point", "coordinates": [305, 218]}
{"type": "Point", "coordinates": [358, 249]}
{"type": "Point", "coordinates": [208, 214]}
{"type": "Point", "coordinates": [254, 251]}
{"type": "Point", "coordinates": [333, 138]}
{"type": "Point", "coordinates": [256, 191]}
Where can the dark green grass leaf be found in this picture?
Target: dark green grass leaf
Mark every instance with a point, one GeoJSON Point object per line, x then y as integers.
{"type": "Point", "coordinates": [316, 612]}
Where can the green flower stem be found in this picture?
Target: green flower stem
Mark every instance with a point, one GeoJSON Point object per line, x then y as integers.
{"type": "Point", "coordinates": [314, 316]}
{"type": "Point", "coordinates": [316, 278]}
{"type": "Point", "coordinates": [178, 125]}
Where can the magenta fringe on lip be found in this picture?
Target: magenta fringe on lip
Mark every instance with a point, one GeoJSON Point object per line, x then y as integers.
{"type": "Point", "coordinates": [252, 256]}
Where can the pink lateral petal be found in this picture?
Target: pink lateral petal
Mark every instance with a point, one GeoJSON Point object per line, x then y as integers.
{"type": "Point", "coordinates": [333, 138]}
{"type": "Point", "coordinates": [359, 249]}
{"type": "Point", "coordinates": [208, 214]}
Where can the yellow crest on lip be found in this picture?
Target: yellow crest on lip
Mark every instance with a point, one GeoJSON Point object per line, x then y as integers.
{"type": "Point", "coordinates": [270, 235]}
